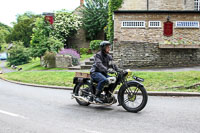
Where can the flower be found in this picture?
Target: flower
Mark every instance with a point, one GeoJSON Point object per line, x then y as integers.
{"type": "Point", "coordinates": [71, 52]}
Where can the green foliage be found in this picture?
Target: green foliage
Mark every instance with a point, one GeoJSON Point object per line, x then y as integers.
{"type": "Point", "coordinates": [95, 15]}
{"type": "Point", "coordinates": [42, 41]}
{"type": "Point", "coordinates": [113, 5]}
{"type": "Point", "coordinates": [85, 56]}
{"type": "Point", "coordinates": [54, 44]}
{"type": "Point", "coordinates": [49, 58]}
{"type": "Point", "coordinates": [22, 30]}
{"type": "Point", "coordinates": [18, 54]}
{"type": "Point", "coordinates": [84, 51]}
{"type": "Point", "coordinates": [65, 25]}
{"type": "Point", "coordinates": [3, 26]}
{"type": "Point", "coordinates": [94, 45]}
{"type": "Point", "coordinates": [4, 32]}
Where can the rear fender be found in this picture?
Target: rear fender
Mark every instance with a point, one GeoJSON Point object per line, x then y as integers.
{"type": "Point", "coordinates": [133, 82]}
{"type": "Point", "coordinates": [78, 81]}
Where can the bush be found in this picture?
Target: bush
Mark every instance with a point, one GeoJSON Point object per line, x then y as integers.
{"type": "Point", "coordinates": [49, 59]}
{"type": "Point", "coordinates": [94, 45]}
{"type": "Point", "coordinates": [0, 47]}
{"type": "Point", "coordinates": [18, 54]}
{"type": "Point", "coordinates": [85, 51]}
{"type": "Point", "coordinates": [73, 53]}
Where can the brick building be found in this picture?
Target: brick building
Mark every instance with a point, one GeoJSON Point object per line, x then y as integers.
{"type": "Point", "coordinates": [140, 26]}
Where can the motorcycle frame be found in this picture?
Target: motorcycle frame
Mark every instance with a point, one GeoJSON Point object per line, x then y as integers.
{"type": "Point", "coordinates": [120, 79]}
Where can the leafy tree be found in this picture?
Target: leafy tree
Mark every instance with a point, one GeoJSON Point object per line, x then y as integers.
{"type": "Point", "coordinates": [65, 25]}
{"type": "Point", "coordinates": [95, 15]}
{"type": "Point", "coordinates": [18, 54]}
{"type": "Point", "coordinates": [6, 27]}
{"type": "Point", "coordinates": [4, 32]}
{"type": "Point", "coordinates": [42, 41]}
{"type": "Point", "coordinates": [22, 30]}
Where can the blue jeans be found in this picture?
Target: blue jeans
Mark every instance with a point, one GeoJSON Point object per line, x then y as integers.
{"type": "Point", "coordinates": [100, 78]}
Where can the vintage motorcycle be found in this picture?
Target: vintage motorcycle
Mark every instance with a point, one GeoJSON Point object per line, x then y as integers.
{"type": "Point", "coordinates": [132, 95]}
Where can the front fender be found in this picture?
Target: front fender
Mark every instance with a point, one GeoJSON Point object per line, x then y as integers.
{"type": "Point", "coordinates": [132, 82]}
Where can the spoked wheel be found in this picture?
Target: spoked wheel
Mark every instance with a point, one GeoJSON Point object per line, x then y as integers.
{"type": "Point", "coordinates": [134, 98]}
{"type": "Point", "coordinates": [83, 90]}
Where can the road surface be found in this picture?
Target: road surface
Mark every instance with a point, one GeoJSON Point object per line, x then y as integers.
{"type": "Point", "coordinates": [25, 109]}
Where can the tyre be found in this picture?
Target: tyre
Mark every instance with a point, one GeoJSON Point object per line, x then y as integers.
{"type": "Point", "coordinates": [82, 90]}
{"type": "Point", "coordinates": [133, 98]}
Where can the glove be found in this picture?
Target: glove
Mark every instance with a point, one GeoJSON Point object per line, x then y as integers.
{"type": "Point", "coordinates": [111, 71]}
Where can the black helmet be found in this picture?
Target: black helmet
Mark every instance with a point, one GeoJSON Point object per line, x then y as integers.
{"type": "Point", "coordinates": [103, 45]}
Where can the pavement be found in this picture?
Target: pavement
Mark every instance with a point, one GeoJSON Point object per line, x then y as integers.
{"type": "Point", "coordinates": [26, 109]}
{"type": "Point", "coordinates": [4, 68]}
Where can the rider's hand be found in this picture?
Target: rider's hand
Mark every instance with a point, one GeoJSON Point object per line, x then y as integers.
{"type": "Point", "coordinates": [111, 71]}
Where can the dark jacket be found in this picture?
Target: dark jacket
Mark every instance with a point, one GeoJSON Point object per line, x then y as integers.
{"type": "Point", "coordinates": [102, 63]}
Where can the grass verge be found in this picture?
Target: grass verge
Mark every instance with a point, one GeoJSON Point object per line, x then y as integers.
{"type": "Point", "coordinates": [85, 56]}
{"type": "Point", "coordinates": [35, 65]}
{"type": "Point", "coordinates": [154, 81]}
{"type": "Point", "coordinates": [42, 78]}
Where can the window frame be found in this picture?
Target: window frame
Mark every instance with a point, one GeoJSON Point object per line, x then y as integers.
{"type": "Point", "coordinates": [159, 26]}
{"type": "Point", "coordinates": [124, 24]}
{"type": "Point", "coordinates": [197, 5]}
{"type": "Point", "coordinates": [187, 24]}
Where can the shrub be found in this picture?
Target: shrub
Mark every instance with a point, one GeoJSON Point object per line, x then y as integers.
{"type": "Point", "coordinates": [18, 54]}
{"type": "Point", "coordinates": [49, 59]}
{"type": "Point", "coordinates": [84, 51]}
{"type": "Point", "coordinates": [94, 45]}
{"type": "Point", "coordinates": [0, 47]}
{"type": "Point", "coordinates": [65, 25]}
{"type": "Point", "coordinates": [73, 53]}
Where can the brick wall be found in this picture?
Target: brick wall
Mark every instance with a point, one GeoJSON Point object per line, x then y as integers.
{"type": "Point", "coordinates": [155, 35]}
{"type": "Point", "coordinates": [158, 5]}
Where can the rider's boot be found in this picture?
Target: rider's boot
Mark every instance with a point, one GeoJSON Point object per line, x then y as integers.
{"type": "Point", "coordinates": [97, 98]}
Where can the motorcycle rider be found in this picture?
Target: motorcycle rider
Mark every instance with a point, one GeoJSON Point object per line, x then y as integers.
{"type": "Point", "coordinates": [100, 69]}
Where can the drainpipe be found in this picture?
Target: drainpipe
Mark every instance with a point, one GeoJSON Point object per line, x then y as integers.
{"type": "Point", "coordinates": [147, 5]}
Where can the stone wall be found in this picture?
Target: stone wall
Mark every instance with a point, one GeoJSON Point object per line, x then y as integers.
{"type": "Point", "coordinates": [130, 54]}
{"type": "Point", "coordinates": [158, 5]}
{"type": "Point", "coordinates": [155, 35]}
{"type": "Point", "coordinates": [134, 5]}
{"type": "Point", "coordinates": [60, 61]}
{"type": "Point", "coordinates": [63, 61]}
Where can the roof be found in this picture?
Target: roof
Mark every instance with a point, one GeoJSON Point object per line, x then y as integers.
{"type": "Point", "coordinates": [156, 11]}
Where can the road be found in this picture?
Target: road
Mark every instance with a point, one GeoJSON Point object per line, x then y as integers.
{"type": "Point", "coordinates": [25, 109]}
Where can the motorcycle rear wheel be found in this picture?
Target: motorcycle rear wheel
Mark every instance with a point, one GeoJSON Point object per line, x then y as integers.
{"type": "Point", "coordinates": [134, 98]}
{"type": "Point", "coordinates": [79, 92]}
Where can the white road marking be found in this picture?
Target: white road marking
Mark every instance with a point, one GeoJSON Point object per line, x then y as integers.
{"type": "Point", "coordinates": [12, 114]}
{"type": "Point", "coordinates": [90, 131]}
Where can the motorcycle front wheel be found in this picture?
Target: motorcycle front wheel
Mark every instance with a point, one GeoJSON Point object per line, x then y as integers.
{"type": "Point", "coordinates": [133, 98]}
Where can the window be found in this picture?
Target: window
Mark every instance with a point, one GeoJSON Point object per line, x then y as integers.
{"type": "Point", "coordinates": [197, 5]}
{"type": "Point", "coordinates": [187, 24]}
{"type": "Point", "coordinates": [133, 24]}
{"type": "Point", "coordinates": [154, 24]}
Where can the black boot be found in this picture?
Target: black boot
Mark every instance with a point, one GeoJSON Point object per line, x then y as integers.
{"type": "Point", "coordinates": [97, 98]}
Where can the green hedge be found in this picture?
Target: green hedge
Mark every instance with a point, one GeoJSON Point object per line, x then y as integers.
{"type": "Point", "coordinates": [94, 45]}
